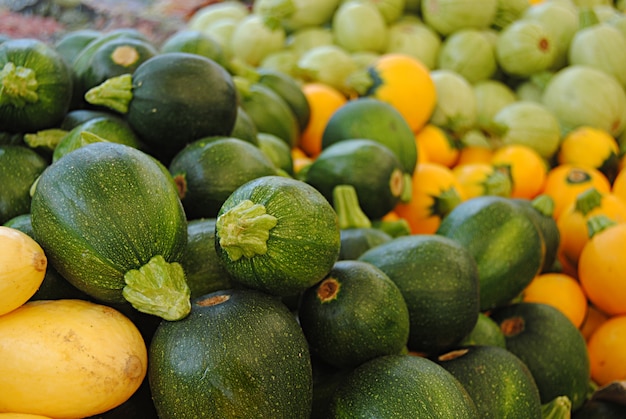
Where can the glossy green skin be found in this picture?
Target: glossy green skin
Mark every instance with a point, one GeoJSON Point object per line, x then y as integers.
{"type": "Point", "coordinates": [301, 248]}
{"type": "Point", "coordinates": [210, 169]}
{"type": "Point", "coordinates": [245, 357]}
{"type": "Point", "coordinates": [103, 66]}
{"type": "Point", "coordinates": [485, 332]}
{"type": "Point", "coordinates": [277, 150]}
{"type": "Point", "coordinates": [195, 42]}
{"type": "Point", "coordinates": [401, 386]}
{"type": "Point", "coordinates": [367, 165]}
{"type": "Point", "coordinates": [103, 210]}
{"type": "Point", "coordinates": [552, 347]}
{"type": "Point", "coordinates": [19, 168]}
{"type": "Point", "coordinates": [270, 113]}
{"type": "Point", "coordinates": [504, 241]}
{"type": "Point", "coordinates": [110, 128]}
{"type": "Point", "coordinates": [203, 271]}
{"type": "Point", "coordinates": [290, 91]}
{"type": "Point", "coordinates": [500, 384]}
{"type": "Point", "coordinates": [179, 98]}
{"type": "Point", "coordinates": [366, 318]}
{"type": "Point", "coordinates": [54, 86]}
{"type": "Point", "coordinates": [73, 42]}
{"type": "Point", "coordinates": [376, 120]}
{"type": "Point", "coordinates": [439, 281]}
{"type": "Point", "coordinates": [356, 241]}
{"type": "Point", "coordinates": [244, 127]}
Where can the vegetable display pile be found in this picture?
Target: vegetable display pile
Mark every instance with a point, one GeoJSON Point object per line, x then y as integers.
{"type": "Point", "coordinates": [318, 209]}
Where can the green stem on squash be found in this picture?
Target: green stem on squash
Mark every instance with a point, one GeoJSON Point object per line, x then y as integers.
{"type": "Point", "coordinates": [558, 408]}
{"type": "Point", "coordinates": [18, 85]}
{"type": "Point", "coordinates": [395, 228]}
{"type": "Point", "coordinates": [587, 17]}
{"type": "Point", "coordinates": [445, 202]}
{"type": "Point", "coordinates": [349, 212]}
{"type": "Point", "coordinates": [544, 204]}
{"type": "Point", "coordinates": [407, 188]}
{"type": "Point", "coordinates": [244, 230]}
{"type": "Point", "coordinates": [158, 288]}
{"type": "Point", "coordinates": [360, 81]}
{"type": "Point", "coordinates": [498, 184]}
{"type": "Point", "coordinates": [598, 223]}
{"type": "Point", "coordinates": [237, 67]}
{"type": "Point", "coordinates": [588, 201]}
{"type": "Point", "coordinates": [114, 93]}
{"type": "Point", "coordinates": [47, 138]}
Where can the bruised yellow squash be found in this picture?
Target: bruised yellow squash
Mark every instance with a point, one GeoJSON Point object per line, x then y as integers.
{"type": "Point", "coordinates": [22, 268]}
{"type": "Point", "coordinates": [68, 359]}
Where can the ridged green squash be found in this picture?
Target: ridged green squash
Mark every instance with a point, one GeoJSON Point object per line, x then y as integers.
{"type": "Point", "coordinates": [439, 281]}
{"type": "Point", "coordinates": [353, 315]}
{"type": "Point", "coordinates": [551, 346]}
{"type": "Point", "coordinates": [19, 168]}
{"type": "Point", "coordinates": [401, 386]}
{"type": "Point", "coordinates": [278, 235]}
{"type": "Point", "coordinates": [109, 218]}
{"type": "Point", "coordinates": [500, 384]}
{"type": "Point", "coordinates": [504, 241]}
{"type": "Point", "coordinates": [239, 354]}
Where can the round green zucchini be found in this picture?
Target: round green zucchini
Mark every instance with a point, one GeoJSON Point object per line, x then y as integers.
{"type": "Point", "coordinates": [353, 315]}
{"type": "Point", "coordinates": [109, 218]}
{"type": "Point", "coordinates": [19, 168]}
{"type": "Point", "coordinates": [172, 99]}
{"type": "Point", "coordinates": [277, 151]}
{"type": "Point", "coordinates": [239, 354]}
{"type": "Point", "coordinates": [208, 170]}
{"type": "Point", "coordinates": [278, 235]}
{"type": "Point", "coordinates": [401, 386]}
{"type": "Point", "coordinates": [195, 42]}
{"type": "Point", "coordinates": [36, 86]}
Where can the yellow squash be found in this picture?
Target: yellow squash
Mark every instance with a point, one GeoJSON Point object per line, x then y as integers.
{"type": "Point", "coordinates": [68, 359]}
{"type": "Point", "coordinates": [22, 268]}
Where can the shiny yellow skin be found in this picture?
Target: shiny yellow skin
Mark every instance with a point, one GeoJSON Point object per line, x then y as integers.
{"type": "Point", "coordinates": [22, 416]}
{"type": "Point", "coordinates": [68, 359]}
{"type": "Point", "coordinates": [22, 268]}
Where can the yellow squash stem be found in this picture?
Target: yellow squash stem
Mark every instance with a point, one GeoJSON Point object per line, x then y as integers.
{"type": "Point", "coordinates": [158, 288]}
{"type": "Point", "coordinates": [244, 230]}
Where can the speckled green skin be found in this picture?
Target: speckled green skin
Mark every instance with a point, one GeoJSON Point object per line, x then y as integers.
{"type": "Point", "coordinates": [103, 210]}
{"type": "Point", "coordinates": [439, 281]}
{"type": "Point", "coordinates": [500, 384]}
{"type": "Point", "coordinates": [301, 248]}
{"type": "Point", "coordinates": [366, 317]}
{"type": "Point", "coordinates": [552, 347]}
{"type": "Point", "coordinates": [245, 357]}
{"type": "Point", "coordinates": [504, 241]}
{"type": "Point", "coordinates": [401, 386]}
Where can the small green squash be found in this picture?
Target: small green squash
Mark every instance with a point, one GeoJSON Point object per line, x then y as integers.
{"type": "Point", "coordinates": [456, 109]}
{"type": "Point", "coordinates": [505, 243]}
{"type": "Point", "coordinates": [500, 384]}
{"type": "Point", "coordinates": [470, 53]}
{"type": "Point", "coordinates": [563, 370]}
{"type": "Point", "coordinates": [19, 168]}
{"type": "Point", "coordinates": [35, 86]}
{"type": "Point", "coordinates": [277, 151]}
{"type": "Point", "coordinates": [448, 16]}
{"type": "Point", "coordinates": [403, 386]}
{"type": "Point", "coordinates": [524, 48]}
{"type": "Point", "coordinates": [239, 354]}
{"type": "Point", "coordinates": [439, 281]}
{"type": "Point", "coordinates": [277, 234]}
{"type": "Point", "coordinates": [194, 42]}
{"type": "Point", "coordinates": [171, 100]}
{"type": "Point", "coordinates": [117, 230]}
{"type": "Point", "coordinates": [208, 170]}
{"type": "Point", "coordinates": [72, 43]}
{"type": "Point", "coordinates": [353, 315]}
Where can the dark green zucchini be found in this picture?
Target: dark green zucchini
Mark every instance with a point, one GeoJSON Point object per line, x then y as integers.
{"type": "Point", "coordinates": [36, 86]}
{"type": "Point", "coordinates": [239, 354]}
{"type": "Point", "coordinates": [78, 116]}
{"type": "Point", "coordinates": [244, 127]}
{"type": "Point", "coordinates": [278, 235]}
{"type": "Point", "coordinates": [116, 57]}
{"type": "Point", "coordinates": [370, 167]}
{"type": "Point", "coordinates": [287, 88]}
{"type": "Point", "coordinates": [203, 271]}
{"type": "Point", "coordinates": [171, 100]}
{"type": "Point", "coordinates": [268, 110]}
{"type": "Point", "coordinates": [117, 230]}
{"type": "Point", "coordinates": [439, 281]}
{"type": "Point", "coordinates": [353, 315]}
{"type": "Point", "coordinates": [208, 170]}
{"type": "Point", "coordinates": [110, 128]}
{"type": "Point", "coordinates": [19, 168]}
{"type": "Point", "coordinates": [277, 151]}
